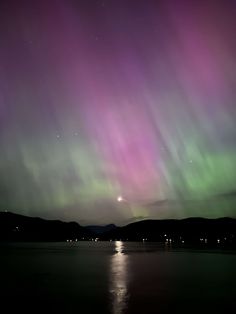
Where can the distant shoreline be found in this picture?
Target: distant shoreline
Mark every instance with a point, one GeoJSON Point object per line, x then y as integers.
{"type": "Point", "coordinates": [193, 232]}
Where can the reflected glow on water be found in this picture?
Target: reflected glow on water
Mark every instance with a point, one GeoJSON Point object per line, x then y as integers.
{"type": "Point", "coordinates": [118, 281]}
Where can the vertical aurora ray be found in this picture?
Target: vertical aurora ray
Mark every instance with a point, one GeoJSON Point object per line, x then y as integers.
{"type": "Point", "coordinates": [118, 98]}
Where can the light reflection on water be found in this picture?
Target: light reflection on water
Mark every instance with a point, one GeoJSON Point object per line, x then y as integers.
{"type": "Point", "coordinates": [116, 278]}
{"type": "Point", "coordinates": [118, 281]}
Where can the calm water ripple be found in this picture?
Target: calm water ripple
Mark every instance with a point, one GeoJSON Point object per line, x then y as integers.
{"type": "Point", "coordinates": [115, 277]}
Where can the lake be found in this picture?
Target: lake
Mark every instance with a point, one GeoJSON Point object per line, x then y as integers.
{"type": "Point", "coordinates": [115, 277]}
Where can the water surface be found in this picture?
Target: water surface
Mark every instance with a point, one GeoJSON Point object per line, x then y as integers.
{"type": "Point", "coordinates": [115, 277]}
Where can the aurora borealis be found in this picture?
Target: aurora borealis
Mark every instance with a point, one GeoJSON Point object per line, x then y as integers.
{"type": "Point", "coordinates": [101, 99]}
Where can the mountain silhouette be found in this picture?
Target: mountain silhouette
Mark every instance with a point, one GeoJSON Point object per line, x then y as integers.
{"type": "Point", "coordinates": [14, 227]}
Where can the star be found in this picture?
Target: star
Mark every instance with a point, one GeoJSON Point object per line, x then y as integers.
{"type": "Point", "coordinates": [119, 198]}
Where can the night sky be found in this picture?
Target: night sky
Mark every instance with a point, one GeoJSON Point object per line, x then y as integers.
{"type": "Point", "coordinates": [109, 98]}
